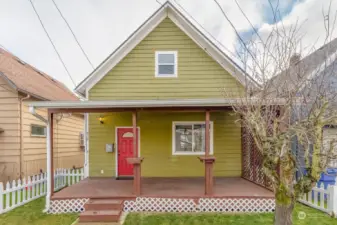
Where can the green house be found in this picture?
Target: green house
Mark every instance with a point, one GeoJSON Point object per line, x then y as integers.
{"type": "Point", "coordinates": [159, 121]}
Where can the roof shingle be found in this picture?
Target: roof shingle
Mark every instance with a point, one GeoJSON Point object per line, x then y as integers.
{"type": "Point", "coordinates": [29, 80]}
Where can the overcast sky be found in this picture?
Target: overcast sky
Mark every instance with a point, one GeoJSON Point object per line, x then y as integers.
{"type": "Point", "coordinates": [101, 25]}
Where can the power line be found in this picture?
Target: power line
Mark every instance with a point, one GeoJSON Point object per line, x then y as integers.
{"type": "Point", "coordinates": [233, 54]}
{"type": "Point", "coordinates": [236, 32]}
{"type": "Point", "coordinates": [51, 41]}
{"type": "Point", "coordinates": [209, 33]}
{"type": "Point", "coordinates": [254, 29]}
{"type": "Point", "coordinates": [244, 14]}
{"type": "Point", "coordinates": [72, 32]}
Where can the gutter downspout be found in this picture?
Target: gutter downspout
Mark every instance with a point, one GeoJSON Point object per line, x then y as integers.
{"type": "Point", "coordinates": [21, 134]}
{"type": "Point", "coordinates": [48, 195]}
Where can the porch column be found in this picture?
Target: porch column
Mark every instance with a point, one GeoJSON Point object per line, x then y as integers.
{"type": "Point", "coordinates": [86, 145]}
{"type": "Point", "coordinates": [136, 160]}
{"type": "Point", "coordinates": [51, 134]}
{"type": "Point", "coordinates": [50, 176]}
{"type": "Point", "coordinates": [207, 159]}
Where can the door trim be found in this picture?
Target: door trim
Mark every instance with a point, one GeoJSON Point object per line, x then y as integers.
{"type": "Point", "coordinates": [116, 146]}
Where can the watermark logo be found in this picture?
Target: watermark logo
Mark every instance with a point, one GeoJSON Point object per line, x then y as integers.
{"type": "Point", "coordinates": [301, 215]}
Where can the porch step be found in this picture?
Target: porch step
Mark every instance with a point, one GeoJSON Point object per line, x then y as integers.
{"type": "Point", "coordinates": [104, 204]}
{"type": "Point", "coordinates": [100, 216]}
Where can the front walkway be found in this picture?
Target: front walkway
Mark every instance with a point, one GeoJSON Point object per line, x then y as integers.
{"type": "Point", "coordinates": [162, 187]}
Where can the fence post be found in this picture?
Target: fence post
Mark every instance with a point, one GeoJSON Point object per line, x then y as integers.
{"type": "Point", "coordinates": [24, 189]}
{"type": "Point", "coordinates": [29, 188]}
{"type": "Point", "coordinates": [333, 199]}
{"type": "Point", "coordinates": [8, 190]}
{"type": "Point", "coordinates": [64, 175]}
{"type": "Point", "coordinates": [55, 180]}
{"type": "Point", "coordinates": [1, 197]}
{"type": "Point", "coordinates": [19, 190]}
{"type": "Point", "coordinates": [13, 193]}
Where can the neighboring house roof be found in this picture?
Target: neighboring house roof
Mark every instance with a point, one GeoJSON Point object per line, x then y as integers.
{"type": "Point", "coordinates": [170, 11]}
{"type": "Point", "coordinates": [311, 66]}
{"type": "Point", "coordinates": [27, 79]}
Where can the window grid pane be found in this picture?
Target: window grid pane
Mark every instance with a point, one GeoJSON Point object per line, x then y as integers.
{"type": "Point", "coordinates": [199, 137]}
{"type": "Point", "coordinates": [166, 58]}
{"type": "Point", "coordinates": [165, 69]}
{"type": "Point", "coordinates": [184, 138]}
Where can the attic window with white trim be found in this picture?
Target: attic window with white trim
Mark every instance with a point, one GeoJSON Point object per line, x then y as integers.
{"type": "Point", "coordinates": [166, 64]}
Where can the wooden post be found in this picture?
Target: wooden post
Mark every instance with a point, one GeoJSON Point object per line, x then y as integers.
{"type": "Point", "coordinates": [51, 130]}
{"type": "Point", "coordinates": [136, 166]}
{"type": "Point", "coordinates": [134, 131]}
{"type": "Point", "coordinates": [208, 160]}
{"type": "Point", "coordinates": [207, 135]}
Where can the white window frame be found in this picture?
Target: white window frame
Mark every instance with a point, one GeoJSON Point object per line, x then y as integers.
{"type": "Point", "coordinates": [174, 123]}
{"type": "Point", "coordinates": [157, 64]}
{"type": "Point", "coordinates": [38, 135]}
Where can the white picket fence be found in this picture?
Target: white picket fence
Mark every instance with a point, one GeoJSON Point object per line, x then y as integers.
{"type": "Point", "coordinates": [322, 199]}
{"type": "Point", "coordinates": [18, 193]}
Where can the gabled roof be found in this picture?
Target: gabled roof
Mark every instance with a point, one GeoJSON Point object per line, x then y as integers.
{"type": "Point", "coordinates": [312, 65]}
{"type": "Point", "coordinates": [170, 11]}
{"type": "Point", "coordinates": [27, 79]}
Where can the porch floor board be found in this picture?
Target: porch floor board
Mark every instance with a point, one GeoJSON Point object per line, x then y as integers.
{"type": "Point", "coordinates": [162, 187]}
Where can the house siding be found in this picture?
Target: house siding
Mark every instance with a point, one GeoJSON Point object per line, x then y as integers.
{"type": "Point", "coordinates": [67, 150]}
{"type": "Point", "coordinates": [199, 76]}
{"type": "Point", "coordinates": [10, 138]}
{"type": "Point", "coordinates": [156, 145]}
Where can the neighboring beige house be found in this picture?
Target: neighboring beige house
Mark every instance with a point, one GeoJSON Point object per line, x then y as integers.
{"type": "Point", "coordinates": [23, 136]}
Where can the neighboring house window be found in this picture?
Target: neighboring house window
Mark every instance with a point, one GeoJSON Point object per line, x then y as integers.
{"type": "Point", "coordinates": [189, 138]}
{"type": "Point", "coordinates": [166, 64]}
{"type": "Point", "coordinates": [38, 130]}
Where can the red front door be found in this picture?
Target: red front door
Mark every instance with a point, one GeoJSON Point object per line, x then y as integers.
{"type": "Point", "coordinates": [125, 150]}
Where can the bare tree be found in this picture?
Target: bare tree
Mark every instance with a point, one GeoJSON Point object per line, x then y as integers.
{"type": "Point", "coordinates": [294, 101]}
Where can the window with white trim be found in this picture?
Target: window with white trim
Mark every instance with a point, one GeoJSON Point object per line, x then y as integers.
{"type": "Point", "coordinates": [189, 138]}
{"type": "Point", "coordinates": [166, 64]}
{"type": "Point", "coordinates": [38, 130]}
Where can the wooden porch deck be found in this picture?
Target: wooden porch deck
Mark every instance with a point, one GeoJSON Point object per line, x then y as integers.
{"type": "Point", "coordinates": [162, 187]}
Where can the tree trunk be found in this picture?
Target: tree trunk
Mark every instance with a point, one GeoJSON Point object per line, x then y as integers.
{"type": "Point", "coordinates": [283, 214]}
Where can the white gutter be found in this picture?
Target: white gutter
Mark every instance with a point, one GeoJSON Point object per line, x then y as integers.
{"type": "Point", "coordinates": [49, 187]}
{"type": "Point", "coordinates": [32, 111]}
{"type": "Point", "coordinates": [150, 103]}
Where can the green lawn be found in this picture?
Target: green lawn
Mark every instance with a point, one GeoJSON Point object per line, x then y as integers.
{"type": "Point", "coordinates": [313, 217]}
{"type": "Point", "coordinates": [31, 213]}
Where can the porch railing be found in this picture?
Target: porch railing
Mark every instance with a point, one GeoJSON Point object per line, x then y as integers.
{"type": "Point", "coordinates": [322, 199]}
{"type": "Point", "coordinates": [19, 192]}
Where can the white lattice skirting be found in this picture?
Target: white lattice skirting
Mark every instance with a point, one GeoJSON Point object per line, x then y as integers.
{"type": "Point", "coordinates": [160, 205]}
{"type": "Point", "coordinates": [236, 205]}
{"type": "Point", "coordinates": [203, 205]}
{"type": "Point", "coordinates": [67, 205]}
